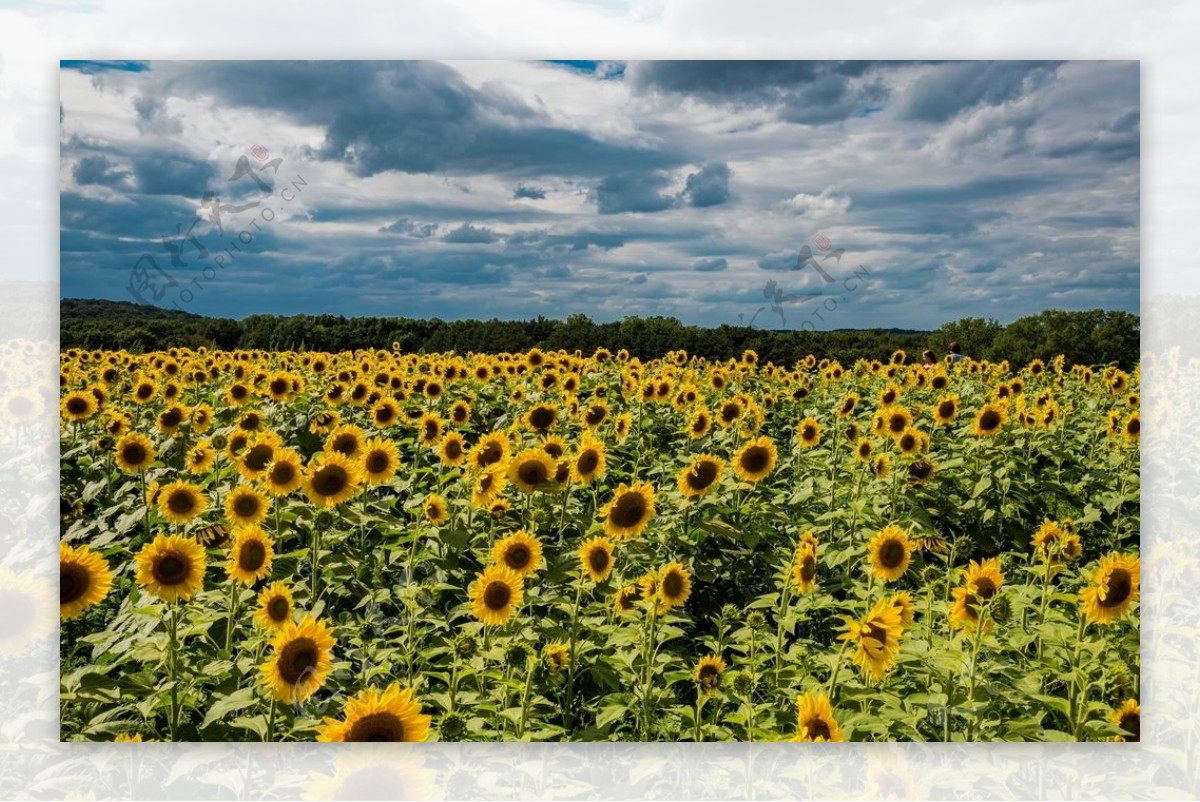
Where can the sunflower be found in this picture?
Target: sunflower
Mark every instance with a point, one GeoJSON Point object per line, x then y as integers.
{"type": "Point", "coordinates": [490, 450]}
{"type": "Point", "coordinates": [250, 556]}
{"type": "Point", "coordinates": [1132, 429]}
{"type": "Point", "coordinates": [699, 424]}
{"type": "Point", "coordinates": [621, 426]}
{"type": "Point", "coordinates": [596, 558]}
{"type": "Point", "coordinates": [275, 607]}
{"type": "Point", "coordinates": [520, 552]}
{"type": "Point", "coordinates": [847, 405]}
{"type": "Point", "coordinates": [258, 454]}
{"type": "Point", "coordinates": [630, 510]}
{"type": "Point", "coordinates": [134, 453]}
{"type": "Point", "coordinates": [434, 509]}
{"type": "Point", "coordinates": [755, 460]}
{"type": "Point", "coordinates": [982, 581]}
{"type": "Point", "coordinates": [626, 598]}
{"type": "Point", "coordinates": [989, 419]}
{"type": "Point", "coordinates": [201, 457]}
{"type": "Point", "coordinates": [347, 440]}
{"type": "Point", "coordinates": [557, 656]}
{"type": "Point", "coordinates": [385, 413]}
{"type": "Point", "coordinates": [815, 720]}
{"type": "Point", "coordinates": [300, 660]}
{"type": "Point", "coordinates": [1128, 717]}
{"type": "Point", "coordinates": [541, 417]}
{"type": "Point", "coordinates": [877, 637]}
{"type": "Point", "coordinates": [452, 450]}
{"type": "Point", "coordinates": [83, 579]}
{"type": "Point", "coordinates": [380, 461]}
{"type": "Point", "coordinates": [180, 502]}
{"type": "Point", "coordinates": [946, 409]}
{"type": "Point", "coordinates": [707, 673]}
{"type": "Point", "coordinates": [674, 585]}
{"type": "Point", "coordinates": [387, 716]}
{"type": "Point", "coordinates": [487, 486]}
{"type": "Point", "coordinates": [324, 422]}
{"type": "Point", "coordinates": [804, 567]}
{"type": "Point", "coordinates": [595, 414]}
{"type": "Point", "coordinates": [171, 418]}
{"type": "Point", "coordinates": [246, 506]}
{"type": "Point", "coordinates": [889, 553]}
{"type": "Point", "coordinates": [331, 479]}
{"type": "Point", "coordinates": [808, 432]}
{"type": "Point", "coordinates": [701, 476]}
{"type": "Point", "coordinates": [881, 466]}
{"type": "Point", "coordinates": [531, 469]}
{"type": "Point", "coordinates": [495, 595]}
{"type": "Point", "coordinates": [920, 470]}
{"type": "Point", "coordinates": [78, 406]}
{"type": "Point", "coordinates": [903, 602]}
{"type": "Point", "coordinates": [171, 567]}
{"type": "Point", "coordinates": [1114, 588]}
{"type": "Point", "coordinates": [284, 474]}
{"type": "Point", "coordinates": [589, 462]}
{"type": "Point", "coordinates": [911, 442]}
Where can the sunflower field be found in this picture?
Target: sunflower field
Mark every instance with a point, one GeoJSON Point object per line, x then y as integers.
{"type": "Point", "coordinates": [385, 546]}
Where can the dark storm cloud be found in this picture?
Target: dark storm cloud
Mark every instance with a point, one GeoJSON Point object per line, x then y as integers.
{"type": "Point", "coordinates": [414, 117]}
{"type": "Point", "coordinates": [1117, 140]}
{"type": "Point", "coordinates": [100, 170]}
{"type": "Point", "coordinates": [530, 193]}
{"type": "Point", "coordinates": [170, 174]}
{"type": "Point", "coordinates": [951, 88]}
{"type": "Point", "coordinates": [709, 187]}
{"type": "Point", "coordinates": [632, 192]}
{"type": "Point", "coordinates": [469, 234]}
{"type": "Point", "coordinates": [573, 241]}
{"type": "Point", "coordinates": [808, 92]}
{"type": "Point", "coordinates": [712, 265]}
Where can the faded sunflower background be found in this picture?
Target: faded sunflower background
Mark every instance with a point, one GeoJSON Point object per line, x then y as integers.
{"type": "Point", "coordinates": [375, 545]}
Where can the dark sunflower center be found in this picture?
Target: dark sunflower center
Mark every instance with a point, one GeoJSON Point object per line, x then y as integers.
{"type": "Point", "coordinates": [897, 423]}
{"type": "Point", "coordinates": [279, 386]}
{"type": "Point", "coordinates": [246, 506]}
{"type": "Point", "coordinates": [588, 462]}
{"type": "Point", "coordinates": [876, 632]}
{"type": "Point", "coordinates": [77, 406]}
{"type": "Point", "coordinates": [755, 459]}
{"type": "Point", "coordinates": [144, 391]}
{"type": "Point", "coordinates": [379, 727]}
{"type": "Point", "coordinates": [238, 391]}
{"type": "Point", "coordinates": [297, 659]}
{"type": "Point", "coordinates": [1132, 723]}
{"type": "Point", "coordinates": [453, 449]}
{"type": "Point", "coordinates": [891, 554]}
{"type": "Point", "coordinates": [431, 431]}
{"type": "Point", "coordinates": [345, 444]}
{"type": "Point", "coordinates": [497, 595]}
{"type": "Point", "coordinates": [809, 433]}
{"type": "Point", "coordinates": [541, 418]}
{"type": "Point", "coordinates": [699, 424]}
{"type": "Point", "coordinates": [172, 417]}
{"type": "Point", "coordinates": [384, 415]}
{"type": "Point", "coordinates": [181, 502]}
{"type": "Point", "coordinates": [702, 475]}
{"type": "Point", "coordinates": [1134, 426]}
{"type": "Point", "coordinates": [278, 609]}
{"type": "Point", "coordinates": [134, 454]}
{"type": "Point", "coordinates": [808, 568]}
{"type": "Point", "coordinates": [989, 420]}
{"type": "Point", "coordinates": [598, 560]}
{"type": "Point", "coordinates": [817, 728]}
{"type": "Point", "coordinates": [709, 675]}
{"type": "Point", "coordinates": [252, 556]}
{"type": "Point", "coordinates": [533, 473]}
{"type": "Point", "coordinates": [985, 588]}
{"type": "Point", "coordinates": [595, 416]}
{"type": "Point", "coordinates": [330, 480]}
{"type": "Point", "coordinates": [377, 462]}
{"type": "Point", "coordinates": [907, 442]}
{"type": "Point", "coordinates": [283, 473]}
{"type": "Point", "coordinates": [555, 450]}
{"type": "Point", "coordinates": [258, 457]}
{"type": "Point", "coordinates": [490, 454]}
{"type": "Point", "coordinates": [171, 569]}
{"type": "Point", "coordinates": [73, 583]}
{"type": "Point", "coordinates": [672, 585]}
{"type": "Point", "coordinates": [628, 510]}
{"type": "Point", "coordinates": [1118, 588]}
{"type": "Point", "coordinates": [517, 556]}
{"type": "Point", "coordinates": [730, 412]}
{"type": "Point", "coordinates": [920, 470]}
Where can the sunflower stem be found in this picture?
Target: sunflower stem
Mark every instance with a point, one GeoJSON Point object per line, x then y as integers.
{"type": "Point", "coordinates": [269, 735]}
{"type": "Point", "coordinates": [837, 668]}
{"type": "Point", "coordinates": [525, 699]}
{"type": "Point", "coordinates": [233, 605]}
{"type": "Point", "coordinates": [699, 736]}
{"type": "Point", "coordinates": [173, 666]}
{"type": "Point", "coordinates": [783, 608]}
{"type": "Point", "coordinates": [980, 625]}
{"type": "Point", "coordinates": [1045, 601]}
{"type": "Point", "coordinates": [569, 713]}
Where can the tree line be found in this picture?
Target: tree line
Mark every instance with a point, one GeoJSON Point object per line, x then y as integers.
{"type": "Point", "coordinates": [1091, 337]}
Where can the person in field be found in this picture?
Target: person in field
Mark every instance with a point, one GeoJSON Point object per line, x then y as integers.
{"type": "Point", "coordinates": [955, 354]}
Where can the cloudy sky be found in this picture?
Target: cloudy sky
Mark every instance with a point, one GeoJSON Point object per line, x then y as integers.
{"type": "Point", "coordinates": [924, 192]}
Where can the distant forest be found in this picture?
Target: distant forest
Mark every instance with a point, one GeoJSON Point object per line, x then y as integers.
{"type": "Point", "coordinates": [1093, 337]}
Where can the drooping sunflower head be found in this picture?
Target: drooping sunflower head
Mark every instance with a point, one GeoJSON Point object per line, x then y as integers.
{"type": "Point", "coordinates": [702, 476]}
{"type": "Point", "coordinates": [275, 607]}
{"type": "Point", "coordinates": [903, 602]}
{"type": "Point", "coordinates": [180, 502]}
{"type": "Point", "coordinates": [531, 470]}
{"type": "Point", "coordinates": [596, 558]}
{"type": "Point", "coordinates": [84, 580]}
{"type": "Point", "coordinates": [171, 567]}
{"type": "Point", "coordinates": [804, 566]}
{"type": "Point", "coordinates": [815, 721]}
{"type": "Point", "coordinates": [755, 460]}
{"type": "Point", "coordinates": [889, 553]}
{"type": "Point", "coordinates": [495, 595]}
{"type": "Point", "coordinates": [629, 511]}
{"type": "Point", "coordinates": [1115, 586]}
{"type": "Point", "coordinates": [301, 656]}
{"type": "Point", "coordinates": [250, 556]}
{"type": "Point", "coordinates": [707, 673]}
{"type": "Point", "coordinates": [877, 638]}
{"type": "Point", "coordinates": [331, 479]}
{"type": "Point", "coordinates": [391, 715]}
{"type": "Point", "coordinates": [556, 656]}
{"type": "Point", "coordinates": [627, 598]}
{"type": "Point", "coordinates": [520, 552]}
